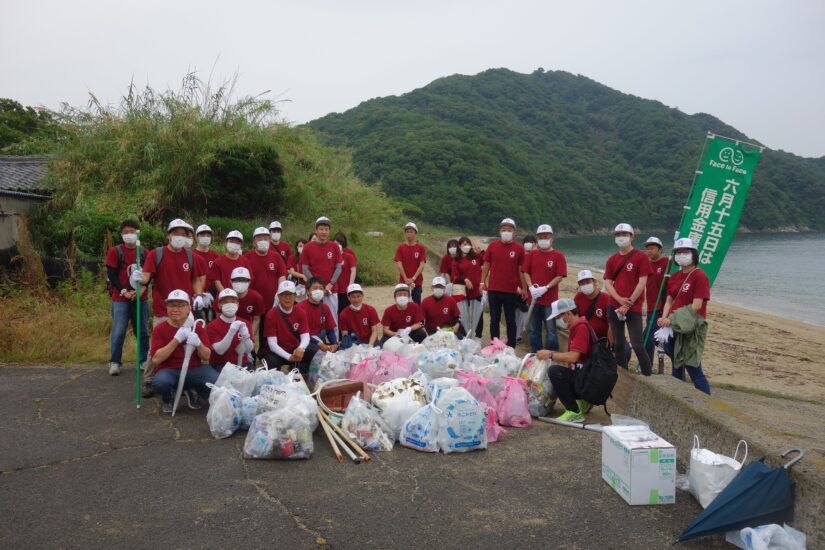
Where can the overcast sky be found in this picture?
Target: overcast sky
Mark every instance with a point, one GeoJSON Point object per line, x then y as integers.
{"type": "Point", "coordinates": [757, 65]}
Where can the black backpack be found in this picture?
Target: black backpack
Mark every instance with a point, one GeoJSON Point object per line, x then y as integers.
{"type": "Point", "coordinates": [595, 379]}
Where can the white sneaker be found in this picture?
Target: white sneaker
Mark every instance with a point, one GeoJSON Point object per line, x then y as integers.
{"type": "Point", "coordinates": [114, 368]}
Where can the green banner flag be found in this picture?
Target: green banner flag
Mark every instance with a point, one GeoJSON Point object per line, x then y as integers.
{"type": "Point", "coordinates": [717, 199]}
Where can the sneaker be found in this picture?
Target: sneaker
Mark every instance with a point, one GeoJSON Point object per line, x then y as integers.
{"type": "Point", "coordinates": [584, 406]}
{"type": "Point", "coordinates": [114, 368]}
{"type": "Point", "coordinates": [571, 416]}
{"type": "Point", "coordinates": [193, 399]}
{"type": "Point", "coordinates": [166, 407]}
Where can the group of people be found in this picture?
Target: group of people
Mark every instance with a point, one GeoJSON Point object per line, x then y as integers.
{"type": "Point", "coordinates": [280, 305]}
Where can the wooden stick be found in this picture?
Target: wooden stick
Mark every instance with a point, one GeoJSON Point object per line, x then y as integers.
{"type": "Point", "coordinates": [355, 458]}
{"type": "Point", "coordinates": [331, 439]}
{"type": "Point", "coordinates": [345, 436]}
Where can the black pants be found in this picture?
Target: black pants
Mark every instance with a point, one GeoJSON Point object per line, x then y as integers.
{"type": "Point", "coordinates": [634, 328]}
{"type": "Point", "coordinates": [510, 302]}
{"type": "Point", "coordinates": [563, 380]}
{"type": "Point", "coordinates": [274, 361]}
{"type": "Point", "coordinates": [416, 294]}
{"type": "Point", "coordinates": [417, 336]}
{"type": "Point", "coordinates": [343, 301]}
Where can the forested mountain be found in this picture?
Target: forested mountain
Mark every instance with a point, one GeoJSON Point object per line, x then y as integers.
{"type": "Point", "coordinates": [555, 147]}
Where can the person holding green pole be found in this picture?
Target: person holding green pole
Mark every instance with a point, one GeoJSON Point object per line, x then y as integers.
{"type": "Point", "coordinates": [655, 304]}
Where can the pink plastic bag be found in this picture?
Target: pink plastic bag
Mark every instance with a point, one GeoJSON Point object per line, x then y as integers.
{"type": "Point", "coordinates": [477, 386]}
{"type": "Point", "coordinates": [491, 425]}
{"type": "Point", "coordinates": [511, 404]}
{"type": "Point", "coordinates": [392, 366]}
{"type": "Point", "coordinates": [496, 346]}
{"type": "Point", "coordinates": [364, 371]}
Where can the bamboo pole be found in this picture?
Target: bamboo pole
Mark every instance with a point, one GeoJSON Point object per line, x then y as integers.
{"type": "Point", "coordinates": [331, 439]}
{"type": "Point", "coordinates": [345, 436]}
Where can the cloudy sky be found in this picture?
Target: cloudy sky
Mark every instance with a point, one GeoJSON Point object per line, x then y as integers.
{"type": "Point", "coordinates": [757, 65]}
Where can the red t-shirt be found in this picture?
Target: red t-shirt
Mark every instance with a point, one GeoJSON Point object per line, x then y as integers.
{"type": "Point", "coordinates": [626, 278]}
{"type": "Point", "coordinates": [599, 318]}
{"type": "Point", "coordinates": [446, 265]}
{"type": "Point", "coordinates": [222, 269]}
{"type": "Point", "coordinates": [579, 340]}
{"type": "Point", "coordinates": [411, 256]}
{"type": "Point", "coordinates": [395, 319]}
{"type": "Point", "coordinates": [249, 306]}
{"type": "Point", "coordinates": [505, 261]}
{"type": "Point", "coordinates": [283, 250]}
{"type": "Point", "coordinates": [348, 262]}
{"type": "Point", "coordinates": [359, 322]}
{"type": "Point", "coordinates": [468, 268]}
{"type": "Point", "coordinates": [321, 259]}
{"type": "Point", "coordinates": [319, 316]}
{"type": "Point", "coordinates": [543, 267]}
{"type": "Point", "coordinates": [286, 327]}
{"type": "Point", "coordinates": [686, 288]}
{"type": "Point", "coordinates": [208, 258]}
{"type": "Point", "coordinates": [216, 330]}
{"type": "Point", "coordinates": [439, 313]}
{"type": "Point", "coordinates": [163, 334]}
{"type": "Point", "coordinates": [654, 280]}
{"type": "Point", "coordinates": [124, 270]}
{"type": "Point", "coordinates": [173, 273]}
{"type": "Point", "coordinates": [265, 271]}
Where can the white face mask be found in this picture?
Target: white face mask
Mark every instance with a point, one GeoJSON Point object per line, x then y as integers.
{"type": "Point", "coordinates": [466, 248]}
{"type": "Point", "coordinates": [300, 249]}
{"type": "Point", "coordinates": [355, 308]}
{"type": "Point", "coordinates": [684, 258]}
{"type": "Point", "coordinates": [561, 323]}
{"type": "Point", "coordinates": [402, 301]}
{"type": "Point", "coordinates": [438, 292]}
{"type": "Point", "coordinates": [205, 240]}
{"type": "Point", "coordinates": [189, 242]}
{"type": "Point", "coordinates": [506, 236]}
{"type": "Point", "coordinates": [233, 248]}
{"type": "Point", "coordinates": [229, 309]}
{"type": "Point", "coordinates": [544, 244]}
{"type": "Point", "coordinates": [178, 241]}
{"type": "Point", "coordinates": [276, 235]}
{"type": "Point", "coordinates": [622, 242]}
{"type": "Point", "coordinates": [317, 294]}
{"type": "Point", "coordinates": [528, 246]}
{"type": "Point", "coordinates": [587, 289]}
{"type": "Point", "coordinates": [240, 287]}
{"type": "Point", "coordinates": [129, 238]}
{"type": "Point", "coordinates": [262, 246]}
{"type": "Point", "coordinates": [452, 250]}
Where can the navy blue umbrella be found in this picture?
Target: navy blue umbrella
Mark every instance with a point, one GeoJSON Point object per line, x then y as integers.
{"type": "Point", "coordinates": [758, 495]}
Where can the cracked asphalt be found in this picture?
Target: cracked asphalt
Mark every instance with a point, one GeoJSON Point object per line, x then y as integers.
{"type": "Point", "coordinates": [80, 467]}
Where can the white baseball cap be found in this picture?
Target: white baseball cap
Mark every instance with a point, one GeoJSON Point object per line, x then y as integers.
{"type": "Point", "coordinates": [411, 225]}
{"type": "Point", "coordinates": [260, 231]}
{"type": "Point", "coordinates": [286, 286]}
{"type": "Point", "coordinates": [625, 228]}
{"type": "Point", "coordinates": [354, 287]}
{"type": "Point", "coordinates": [560, 306]}
{"type": "Point", "coordinates": [234, 234]}
{"type": "Point", "coordinates": [176, 223]}
{"type": "Point", "coordinates": [275, 225]}
{"type": "Point", "coordinates": [227, 293]}
{"type": "Point", "coordinates": [584, 274]}
{"type": "Point", "coordinates": [507, 221]}
{"type": "Point", "coordinates": [203, 228]}
{"type": "Point", "coordinates": [240, 273]}
{"type": "Point", "coordinates": [323, 220]}
{"type": "Point", "coordinates": [684, 243]}
{"type": "Point", "coordinates": [544, 228]}
{"type": "Point", "coordinates": [189, 227]}
{"type": "Point", "coordinates": [399, 287]}
{"type": "Point", "coordinates": [439, 281]}
{"type": "Point", "coordinates": [178, 295]}
{"type": "Point", "coordinates": [654, 240]}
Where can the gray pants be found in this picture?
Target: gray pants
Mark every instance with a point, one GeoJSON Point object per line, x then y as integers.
{"type": "Point", "coordinates": [332, 301]}
{"type": "Point", "coordinates": [634, 328]}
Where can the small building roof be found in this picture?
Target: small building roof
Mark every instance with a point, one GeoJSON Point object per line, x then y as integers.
{"type": "Point", "coordinates": [24, 175]}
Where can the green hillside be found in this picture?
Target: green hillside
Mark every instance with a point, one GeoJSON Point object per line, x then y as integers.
{"type": "Point", "coordinates": [553, 146]}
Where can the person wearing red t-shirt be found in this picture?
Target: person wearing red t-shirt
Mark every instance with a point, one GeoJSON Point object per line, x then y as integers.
{"type": "Point", "coordinates": [121, 260]}
{"type": "Point", "coordinates": [251, 305]}
{"type": "Point", "coordinates": [203, 237]}
{"type": "Point", "coordinates": [689, 287]}
{"type": "Point", "coordinates": [231, 336]}
{"type": "Point", "coordinates": [544, 268]}
{"type": "Point", "coordinates": [287, 333]}
{"type": "Point", "coordinates": [221, 271]}
{"type": "Point", "coordinates": [410, 257]}
{"type": "Point", "coordinates": [349, 271]}
{"type": "Point", "coordinates": [592, 304]}
{"type": "Point", "coordinates": [359, 321]}
{"type": "Point", "coordinates": [502, 262]}
{"type": "Point", "coordinates": [445, 267]}
{"type": "Point", "coordinates": [579, 347]}
{"type": "Point", "coordinates": [281, 247]}
{"type": "Point", "coordinates": [403, 318]}
{"type": "Point", "coordinates": [265, 266]}
{"type": "Point", "coordinates": [466, 277]}
{"type": "Point", "coordinates": [439, 310]}
{"type": "Point", "coordinates": [322, 258]}
{"type": "Point", "coordinates": [168, 348]}
{"type": "Point", "coordinates": [322, 327]}
{"type": "Point", "coordinates": [654, 302]}
{"type": "Point", "coordinates": [625, 281]}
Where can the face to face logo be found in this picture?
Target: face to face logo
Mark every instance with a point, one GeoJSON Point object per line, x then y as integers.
{"type": "Point", "coordinates": [272, 266]}
{"type": "Point", "coordinates": [512, 253]}
{"type": "Point", "coordinates": [630, 266]}
{"type": "Point", "coordinates": [295, 327]}
{"type": "Point", "coordinates": [185, 266]}
{"type": "Point", "coordinates": [599, 313]}
{"type": "Point", "coordinates": [550, 263]}
{"type": "Point", "coordinates": [408, 319]}
{"type": "Point", "coordinates": [329, 255]}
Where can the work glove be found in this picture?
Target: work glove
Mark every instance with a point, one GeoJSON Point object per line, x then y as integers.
{"type": "Point", "coordinates": [244, 331]}
{"type": "Point", "coordinates": [193, 339]}
{"type": "Point", "coordinates": [404, 332]}
{"type": "Point", "coordinates": [236, 325]}
{"type": "Point", "coordinates": [182, 334]}
{"type": "Point", "coordinates": [198, 304]}
{"type": "Point", "coordinates": [207, 299]}
{"type": "Point", "coordinates": [135, 277]}
{"type": "Point", "coordinates": [537, 292]}
{"type": "Point", "coordinates": [663, 335]}
{"type": "Point", "coordinates": [484, 300]}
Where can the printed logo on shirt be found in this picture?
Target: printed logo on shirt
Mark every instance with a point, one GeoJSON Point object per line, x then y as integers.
{"type": "Point", "coordinates": [210, 263]}
{"type": "Point", "coordinates": [272, 266]}
{"type": "Point", "coordinates": [364, 321]}
{"type": "Point", "coordinates": [329, 255]}
{"type": "Point", "coordinates": [549, 263]}
{"type": "Point", "coordinates": [323, 319]}
{"type": "Point", "coordinates": [474, 262]}
{"type": "Point", "coordinates": [512, 253]}
{"type": "Point", "coordinates": [630, 266]}
{"type": "Point", "coordinates": [599, 313]}
{"type": "Point", "coordinates": [685, 287]}
{"type": "Point", "coordinates": [445, 310]}
{"type": "Point", "coordinates": [249, 309]}
{"type": "Point", "coordinates": [185, 266]}
{"type": "Point", "coordinates": [416, 254]}
{"type": "Point", "coordinates": [295, 326]}
{"type": "Point", "coordinates": [408, 318]}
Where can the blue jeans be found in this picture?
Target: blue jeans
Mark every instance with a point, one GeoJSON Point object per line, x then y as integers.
{"type": "Point", "coordinates": [697, 375]}
{"type": "Point", "coordinates": [650, 328]}
{"type": "Point", "coordinates": [166, 381]}
{"type": "Point", "coordinates": [123, 313]}
{"type": "Point", "coordinates": [539, 321]}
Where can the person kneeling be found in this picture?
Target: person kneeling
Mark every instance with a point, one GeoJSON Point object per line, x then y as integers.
{"type": "Point", "coordinates": [167, 351]}
{"type": "Point", "coordinates": [230, 335]}
{"type": "Point", "coordinates": [359, 321]}
{"type": "Point", "coordinates": [439, 310]}
{"type": "Point", "coordinates": [403, 318]}
{"type": "Point", "coordinates": [322, 328]}
{"type": "Point", "coordinates": [287, 333]}
{"type": "Point", "coordinates": [579, 346]}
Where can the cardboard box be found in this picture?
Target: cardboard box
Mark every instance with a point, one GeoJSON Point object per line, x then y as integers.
{"type": "Point", "coordinates": [639, 465]}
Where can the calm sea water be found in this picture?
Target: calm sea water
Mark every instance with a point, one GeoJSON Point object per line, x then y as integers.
{"type": "Point", "coordinates": [773, 273]}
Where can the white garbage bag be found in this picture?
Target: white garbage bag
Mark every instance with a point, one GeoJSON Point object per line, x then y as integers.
{"type": "Point", "coordinates": [233, 376]}
{"type": "Point", "coordinates": [224, 414]}
{"type": "Point", "coordinates": [462, 425]}
{"type": "Point", "coordinates": [441, 339]}
{"type": "Point", "coordinates": [768, 537]}
{"type": "Point", "coordinates": [420, 431]}
{"type": "Point", "coordinates": [710, 472]}
{"type": "Point", "coordinates": [282, 434]}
